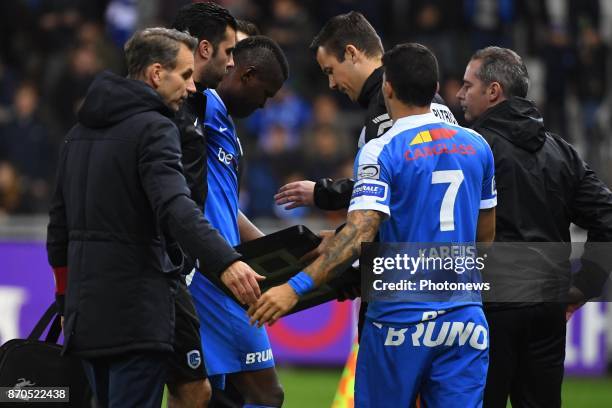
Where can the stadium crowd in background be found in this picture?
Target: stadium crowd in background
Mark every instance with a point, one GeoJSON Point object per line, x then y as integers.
{"type": "Point", "coordinates": [51, 50]}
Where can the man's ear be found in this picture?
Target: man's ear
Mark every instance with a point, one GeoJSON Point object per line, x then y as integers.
{"type": "Point", "coordinates": [248, 74]}
{"type": "Point", "coordinates": [387, 90]}
{"type": "Point", "coordinates": [205, 49]}
{"type": "Point", "coordinates": [154, 74]}
{"type": "Point", "coordinates": [351, 53]}
{"type": "Point", "coordinates": [495, 92]}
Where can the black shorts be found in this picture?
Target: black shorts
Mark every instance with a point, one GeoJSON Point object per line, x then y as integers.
{"type": "Point", "coordinates": [186, 363]}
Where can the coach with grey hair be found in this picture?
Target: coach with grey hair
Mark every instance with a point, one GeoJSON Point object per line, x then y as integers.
{"type": "Point", "coordinates": [120, 195]}
{"type": "Point", "coordinates": [543, 186]}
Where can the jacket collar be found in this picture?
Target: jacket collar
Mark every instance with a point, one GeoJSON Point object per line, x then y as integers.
{"type": "Point", "coordinates": [371, 87]}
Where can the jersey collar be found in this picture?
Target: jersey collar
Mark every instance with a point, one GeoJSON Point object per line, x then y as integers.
{"type": "Point", "coordinates": [415, 121]}
{"type": "Point", "coordinates": [216, 95]}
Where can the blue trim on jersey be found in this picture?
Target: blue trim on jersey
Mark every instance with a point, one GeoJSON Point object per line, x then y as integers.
{"type": "Point", "coordinates": [224, 153]}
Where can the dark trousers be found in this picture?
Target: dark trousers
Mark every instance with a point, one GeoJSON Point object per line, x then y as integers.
{"type": "Point", "coordinates": [130, 380]}
{"type": "Point", "coordinates": [526, 355]}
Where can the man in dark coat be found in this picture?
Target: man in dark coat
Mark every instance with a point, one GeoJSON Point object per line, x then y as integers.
{"type": "Point", "coordinates": [543, 187]}
{"type": "Point", "coordinates": [120, 196]}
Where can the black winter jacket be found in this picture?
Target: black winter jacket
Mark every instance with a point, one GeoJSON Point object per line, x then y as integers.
{"type": "Point", "coordinates": [336, 194]}
{"type": "Point", "coordinates": [543, 185]}
{"type": "Point", "coordinates": [120, 191]}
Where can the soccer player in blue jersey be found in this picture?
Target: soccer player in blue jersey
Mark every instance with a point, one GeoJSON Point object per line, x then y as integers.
{"type": "Point", "coordinates": [235, 351]}
{"type": "Point", "coordinates": [424, 180]}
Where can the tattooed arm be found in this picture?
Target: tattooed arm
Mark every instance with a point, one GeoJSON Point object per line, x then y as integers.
{"type": "Point", "coordinates": [361, 226]}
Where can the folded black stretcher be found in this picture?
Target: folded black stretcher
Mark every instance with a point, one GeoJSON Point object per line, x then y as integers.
{"type": "Point", "coordinates": [277, 257]}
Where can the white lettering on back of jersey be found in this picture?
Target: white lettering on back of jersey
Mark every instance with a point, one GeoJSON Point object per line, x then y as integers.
{"type": "Point", "coordinates": [450, 334]}
{"type": "Point", "coordinates": [395, 337]}
{"type": "Point", "coordinates": [443, 113]}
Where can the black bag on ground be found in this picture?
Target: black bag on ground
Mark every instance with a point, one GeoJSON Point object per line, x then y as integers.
{"type": "Point", "coordinates": [33, 363]}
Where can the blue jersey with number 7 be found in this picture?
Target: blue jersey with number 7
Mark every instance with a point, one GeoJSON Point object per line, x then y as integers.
{"type": "Point", "coordinates": [430, 179]}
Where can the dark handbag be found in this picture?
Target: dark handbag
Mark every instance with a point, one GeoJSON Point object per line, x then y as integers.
{"type": "Point", "coordinates": [34, 363]}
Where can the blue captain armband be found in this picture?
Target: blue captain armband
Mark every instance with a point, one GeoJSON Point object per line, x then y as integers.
{"type": "Point", "coordinates": [301, 283]}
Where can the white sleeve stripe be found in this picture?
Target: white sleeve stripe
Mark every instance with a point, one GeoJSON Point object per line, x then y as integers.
{"type": "Point", "coordinates": [370, 206]}
{"type": "Point", "coordinates": [490, 203]}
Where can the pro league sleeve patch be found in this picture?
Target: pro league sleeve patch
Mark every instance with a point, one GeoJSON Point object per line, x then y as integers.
{"type": "Point", "coordinates": [370, 189]}
{"type": "Point", "coordinates": [368, 171]}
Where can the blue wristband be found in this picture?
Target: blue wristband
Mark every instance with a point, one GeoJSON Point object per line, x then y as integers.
{"type": "Point", "coordinates": [301, 283]}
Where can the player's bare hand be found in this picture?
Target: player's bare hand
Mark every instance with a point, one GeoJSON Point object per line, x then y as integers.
{"type": "Point", "coordinates": [326, 236]}
{"type": "Point", "coordinates": [273, 304]}
{"type": "Point", "coordinates": [242, 281]}
{"type": "Point", "coordinates": [296, 194]}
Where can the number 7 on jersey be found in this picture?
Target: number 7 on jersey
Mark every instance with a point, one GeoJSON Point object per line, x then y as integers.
{"type": "Point", "coordinates": [453, 178]}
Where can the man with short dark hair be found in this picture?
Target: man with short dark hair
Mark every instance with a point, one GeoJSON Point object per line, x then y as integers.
{"type": "Point", "coordinates": [457, 185]}
{"type": "Point", "coordinates": [544, 186]}
{"type": "Point", "coordinates": [215, 29]}
{"type": "Point", "coordinates": [230, 343]}
{"type": "Point", "coordinates": [349, 52]}
{"type": "Point", "coordinates": [120, 198]}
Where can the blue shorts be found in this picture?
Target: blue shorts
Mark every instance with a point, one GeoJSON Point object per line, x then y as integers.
{"type": "Point", "coordinates": [229, 343]}
{"type": "Point", "coordinates": [444, 358]}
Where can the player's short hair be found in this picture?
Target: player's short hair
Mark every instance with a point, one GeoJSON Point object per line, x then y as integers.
{"type": "Point", "coordinates": [344, 29]}
{"type": "Point", "coordinates": [155, 45]}
{"type": "Point", "coordinates": [504, 66]}
{"type": "Point", "coordinates": [247, 27]}
{"type": "Point", "coordinates": [206, 21]}
{"type": "Point", "coordinates": [412, 70]}
{"type": "Point", "coordinates": [261, 52]}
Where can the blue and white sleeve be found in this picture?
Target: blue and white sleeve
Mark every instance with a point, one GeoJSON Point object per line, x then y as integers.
{"type": "Point", "coordinates": [372, 180]}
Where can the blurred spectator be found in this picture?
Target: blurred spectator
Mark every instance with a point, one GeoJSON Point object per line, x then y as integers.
{"type": "Point", "coordinates": [70, 88]}
{"type": "Point", "coordinates": [58, 22]}
{"type": "Point", "coordinates": [7, 91]}
{"type": "Point", "coordinates": [25, 143]}
{"type": "Point", "coordinates": [490, 22]}
{"type": "Point", "coordinates": [559, 60]}
{"type": "Point", "coordinates": [287, 108]}
{"type": "Point", "coordinates": [325, 151]}
{"type": "Point", "coordinates": [583, 13]}
{"type": "Point", "coordinates": [533, 19]}
{"type": "Point", "coordinates": [437, 24]}
{"type": "Point", "coordinates": [10, 194]}
{"type": "Point", "coordinates": [275, 162]}
{"type": "Point", "coordinates": [591, 85]}
{"type": "Point", "coordinates": [121, 20]}
{"type": "Point", "coordinates": [292, 28]}
{"type": "Point", "coordinates": [91, 35]}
